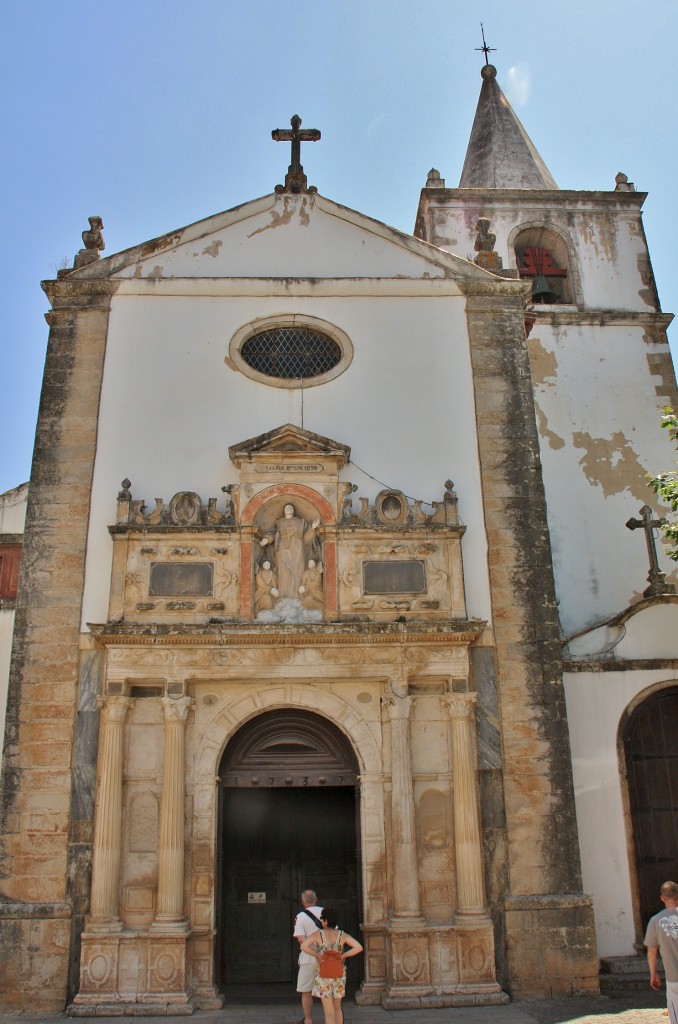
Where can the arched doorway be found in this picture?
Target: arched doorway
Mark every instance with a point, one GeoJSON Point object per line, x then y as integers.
{"type": "Point", "coordinates": [288, 820]}
{"type": "Point", "coordinates": [650, 740]}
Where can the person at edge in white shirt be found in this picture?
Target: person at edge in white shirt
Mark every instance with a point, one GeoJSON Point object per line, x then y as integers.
{"type": "Point", "coordinates": [304, 926]}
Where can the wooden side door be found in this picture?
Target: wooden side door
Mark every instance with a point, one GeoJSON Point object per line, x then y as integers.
{"type": "Point", "coordinates": [651, 749]}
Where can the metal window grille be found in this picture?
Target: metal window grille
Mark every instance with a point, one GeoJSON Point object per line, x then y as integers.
{"type": "Point", "coordinates": [289, 352]}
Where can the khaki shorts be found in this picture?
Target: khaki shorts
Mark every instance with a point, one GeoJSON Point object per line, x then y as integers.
{"type": "Point", "coordinates": [306, 977]}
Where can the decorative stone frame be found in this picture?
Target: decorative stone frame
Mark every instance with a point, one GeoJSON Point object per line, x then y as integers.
{"type": "Point", "coordinates": [267, 323]}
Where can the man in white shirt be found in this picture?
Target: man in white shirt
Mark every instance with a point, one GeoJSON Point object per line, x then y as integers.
{"type": "Point", "coordinates": [306, 923]}
{"type": "Point", "coordinates": [662, 936]}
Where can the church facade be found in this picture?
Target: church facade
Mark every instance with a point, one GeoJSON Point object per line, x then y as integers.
{"type": "Point", "coordinates": [322, 587]}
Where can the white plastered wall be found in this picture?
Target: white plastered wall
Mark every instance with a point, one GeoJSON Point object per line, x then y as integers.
{"type": "Point", "coordinates": [596, 702]}
{"type": "Point", "coordinates": [170, 406]}
{"type": "Point", "coordinates": [605, 238]}
{"type": "Point", "coordinates": [598, 390]}
{"type": "Point", "coordinates": [598, 417]}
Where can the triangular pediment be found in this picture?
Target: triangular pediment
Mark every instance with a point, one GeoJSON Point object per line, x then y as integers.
{"type": "Point", "coordinates": [291, 441]}
{"type": "Point", "coordinates": [288, 237]}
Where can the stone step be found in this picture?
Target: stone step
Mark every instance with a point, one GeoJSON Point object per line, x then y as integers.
{"type": "Point", "coordinates": [627, 965]}
{"type": "Point", "coordinates": [623, 975]}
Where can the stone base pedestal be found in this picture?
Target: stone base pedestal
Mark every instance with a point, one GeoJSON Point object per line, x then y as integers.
{"type": "Point", "coordinates": [146, 970]}
{"type": "Point", "coordinates": [552, 946]}
{"type": "Point", "coordinates": [435, 966]}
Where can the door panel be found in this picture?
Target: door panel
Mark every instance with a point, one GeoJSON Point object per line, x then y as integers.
{"type": "Point", "coordinates": [278, 842]}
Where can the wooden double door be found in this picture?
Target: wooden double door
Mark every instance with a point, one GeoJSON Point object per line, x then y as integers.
{"type": "Point", "coordinates": [651, 748]}
{"type": "Point", "coordinates": [287, 822]}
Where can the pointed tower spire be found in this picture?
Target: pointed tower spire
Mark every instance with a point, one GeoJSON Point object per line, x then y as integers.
{"type": "Point", "coordinates": [500, 153]}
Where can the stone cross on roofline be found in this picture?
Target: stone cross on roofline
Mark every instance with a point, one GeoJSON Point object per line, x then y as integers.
{"type": "Point", "coordinates": [295, 179]}
{"type": "Point", "coordinates": [656, 578]}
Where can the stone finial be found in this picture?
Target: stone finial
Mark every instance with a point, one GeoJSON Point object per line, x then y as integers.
{"type": "Point", "coordinates": [488, 258]}
{"type": "Point", "coordinates": [622, 183]}
{"type": "Point", "coordinates": [93, 241]}
{"type": "Point", "coordinates": [434, 180]}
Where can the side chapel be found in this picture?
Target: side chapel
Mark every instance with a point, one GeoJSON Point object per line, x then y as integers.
{"type": "Point", "coordinates": [322, 586]}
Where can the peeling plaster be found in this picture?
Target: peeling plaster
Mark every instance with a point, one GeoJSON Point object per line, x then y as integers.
{"type": "Point", "coordinates": [304, 217]}
{"type": "Point", "coordinates": [554, 440]}
{"type": "Point", "coordinates": [158, 244]}
{"type": "Point", "coordinates": [543, 364]}
{"type": "Point", "coordinates": [612, 465]}
{"type": "Point", "coordinates": [213, 249]}
{"type": "Point", "coordinates": [646, 294]}
{"type": "Point", "coordinates": [280, 219]}
{"type": "Point", "coordinates": [601, 235]}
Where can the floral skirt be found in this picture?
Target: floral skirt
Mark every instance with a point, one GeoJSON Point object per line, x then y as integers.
{"type": "Point", "coordinates": [329, 988]}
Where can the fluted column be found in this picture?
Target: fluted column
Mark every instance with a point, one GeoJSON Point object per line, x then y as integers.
{"type": "Point", "coordinates": [170, 904]}
{"type": "Point", "coordinates": [104, 910]}
{"type": "Point", "coordinates": [406, 904]}
{"type": "Point", "coordinates": [467, 835]}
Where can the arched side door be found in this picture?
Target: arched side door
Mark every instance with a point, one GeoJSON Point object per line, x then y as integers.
{"type": "Point", "coordinates": [650, 740]}
{"type": "Point", "coordinates": [288, 815]}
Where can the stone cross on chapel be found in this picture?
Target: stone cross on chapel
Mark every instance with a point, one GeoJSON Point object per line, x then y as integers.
{"type": "Point", "coordinates": [295, 179]}
{"type": "Point", "coordinates": [656, 578]}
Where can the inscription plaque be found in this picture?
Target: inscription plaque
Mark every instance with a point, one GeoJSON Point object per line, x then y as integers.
{"type": "Point", "coordinates": [404, 577]}
{"type": "Point", "coordinates": [187, 579]}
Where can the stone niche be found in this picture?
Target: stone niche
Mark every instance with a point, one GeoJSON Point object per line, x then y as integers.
{"type": "Point", "coordinates": [287, 544]}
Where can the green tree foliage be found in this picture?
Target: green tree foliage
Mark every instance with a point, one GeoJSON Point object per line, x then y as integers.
{"type": "Point", "coordinates": [665, 486]}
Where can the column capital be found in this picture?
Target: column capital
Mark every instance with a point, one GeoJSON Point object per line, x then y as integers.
{"type": "Point", "coordinates": [176, 709]}
{"type": "Point", "coordinates": [460, 705]}
{"type": "Point", "coordinates": [398, 708]}
{"type": "Point", "coordinates": [114, 709]}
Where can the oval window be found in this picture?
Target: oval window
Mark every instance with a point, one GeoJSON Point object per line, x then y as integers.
{"type": "Point", "coordinates": [291, 352]}
{"type": "Point", "coordinates": [289, 349]}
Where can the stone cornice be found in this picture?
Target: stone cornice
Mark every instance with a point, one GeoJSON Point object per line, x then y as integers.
{"type": "Point", "coordinates": [452, 632]}
{"type": "Point", "coordinates": [435, 287]}
{"type": "Point", "coordinates": [594, 664]}
{"type": "Point", "coordinates": [547, 198]}
{"type": "Point", "coordinates": [79, 292]}
{"type": "Point", "coordinates": [598, 317]}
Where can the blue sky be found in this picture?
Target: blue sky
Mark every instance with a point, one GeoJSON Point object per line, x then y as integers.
{"type": "Point", "coordinates": [157, 113]}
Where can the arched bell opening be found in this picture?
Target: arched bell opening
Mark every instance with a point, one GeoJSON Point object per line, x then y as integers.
{"type": "Point", "coordinates": [288, 820]}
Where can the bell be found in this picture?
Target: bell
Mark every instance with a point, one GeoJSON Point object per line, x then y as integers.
{"type": "Point", "coordinates": [541, 291]}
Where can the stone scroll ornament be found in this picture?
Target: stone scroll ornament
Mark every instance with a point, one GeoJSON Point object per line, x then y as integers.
{"type": "Point", "coordinates": [288, 585]}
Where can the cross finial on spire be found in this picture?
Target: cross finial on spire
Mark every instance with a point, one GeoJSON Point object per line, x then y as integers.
{"type": "Point", "coordinates": [295, 179]}
{"type": "Point", "coordinates": [487, 50]}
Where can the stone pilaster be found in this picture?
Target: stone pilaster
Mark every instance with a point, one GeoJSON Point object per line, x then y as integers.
{"type": "Point", "coordinates": [107, 848]}
{"type": "Point", "coordinates": [170, 903]}
{"type": "Point", "coordinates": [542, 844]}
{"type": "Point", "coordinates": [41, 711]}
